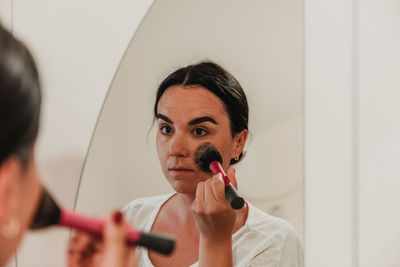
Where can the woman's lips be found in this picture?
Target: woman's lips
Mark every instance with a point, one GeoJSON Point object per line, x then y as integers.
{"type": "Point", "coordinates": [180, 170]}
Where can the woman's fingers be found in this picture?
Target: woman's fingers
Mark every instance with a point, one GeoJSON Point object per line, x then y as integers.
{"type": "Point", "coordinates": [82, 249]}
{"type": "Point", "coordinates": [211, 210]}
{"type": "Point", "coordinates": [210, 193]}
{"type": "Point", "coordinates": [116, 252]}
{"type": "Point", "coordinates": [209, 197]}
{"type": "Point", "coordinates": [87, 250]}
{"type": "Point", "coordinates": [115, 228]}
{"type": "Point", "coordinates": [73, 256]}
{"type": "Point", "coordinates": [218, 188]}
{"type": "Point", "coordinates": [232, 176]}
{"type": "Point", "coordinates": [198, 203]}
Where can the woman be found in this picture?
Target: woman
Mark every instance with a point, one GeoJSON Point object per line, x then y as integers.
{"type": "Point", "coordinates": [20, 187]}
{"type": "Point", "coordinates": [197, 104]}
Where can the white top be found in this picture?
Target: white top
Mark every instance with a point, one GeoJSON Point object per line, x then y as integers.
{"type": "Point", "coordinates": [263, 240]}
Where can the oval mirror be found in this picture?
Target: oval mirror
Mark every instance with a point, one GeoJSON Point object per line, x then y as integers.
{"type": "Point", "coordinates": [261, 43]}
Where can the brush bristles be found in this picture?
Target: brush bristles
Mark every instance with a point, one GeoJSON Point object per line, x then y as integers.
{"type": "Point", "coordinates": [47, 213]}
{"type": "Point", "coordinates": [205, 154]}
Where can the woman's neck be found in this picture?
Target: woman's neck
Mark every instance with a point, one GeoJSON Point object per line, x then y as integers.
{"type": "Point", "coordinates": [180, 205]}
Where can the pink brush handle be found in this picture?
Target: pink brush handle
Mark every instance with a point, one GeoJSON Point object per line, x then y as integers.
{"type": "Point", "coordinates": [237, 202]}
{"type": "Point", "coordinates": [216, 167]}
{"type": "Point", "coordinates": [92, 225]}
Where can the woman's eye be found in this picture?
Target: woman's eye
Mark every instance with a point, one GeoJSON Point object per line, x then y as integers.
{"type": "Point", "coordinates": [199, 132]}
{"type": "Point", "coordinates": [166, 130]}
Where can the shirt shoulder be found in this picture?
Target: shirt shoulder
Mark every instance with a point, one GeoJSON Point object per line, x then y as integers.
{"type": "Point", "coordinates": [267, 225]}
{"type": "Point", "coordinates": [270, 241]}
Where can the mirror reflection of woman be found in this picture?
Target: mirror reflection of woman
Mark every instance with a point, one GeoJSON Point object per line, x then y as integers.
{"type": "Point", "coordinates": [196, 104]}
{"type": "Point", "coordinates": [20, 186]}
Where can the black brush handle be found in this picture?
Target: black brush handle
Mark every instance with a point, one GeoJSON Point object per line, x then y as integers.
{"type": "Point", "coordinates": [237, 202]}
{"type": "Point", "coordinates": [159, 243]}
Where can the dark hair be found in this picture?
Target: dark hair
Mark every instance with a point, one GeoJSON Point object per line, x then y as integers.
{"type": "Point", "coordinates": [20, 99]}
{"type": "Point", "coordinates": [217, 80]}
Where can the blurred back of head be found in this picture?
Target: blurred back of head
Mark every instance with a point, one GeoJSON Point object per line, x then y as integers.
{"type": "Point", "coordinates": [20, 98]}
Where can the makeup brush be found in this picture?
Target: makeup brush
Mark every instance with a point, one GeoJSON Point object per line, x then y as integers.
{"type": "Point", "coordinates": [208, 159]}
{"type": "Point", "coordinates": [48, 213]}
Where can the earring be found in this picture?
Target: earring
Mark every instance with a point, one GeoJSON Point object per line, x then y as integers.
{"type": "Point", "coordinates": [11, 229]}
{"type": "Point", "coordinates": [237, 157]}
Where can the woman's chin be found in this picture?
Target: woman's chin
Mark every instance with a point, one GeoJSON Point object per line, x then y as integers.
{"type": "Point", "coordinates": [185, 184]}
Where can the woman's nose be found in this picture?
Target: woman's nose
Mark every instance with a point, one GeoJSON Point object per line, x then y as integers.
{"type": "Point", "coordinates": [179, 146]}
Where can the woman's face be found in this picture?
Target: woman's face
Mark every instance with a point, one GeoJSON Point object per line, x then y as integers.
{"type": "Point", "coordinates": [20, 190]}
{"type": "Point", "coordinates": [186, 118]}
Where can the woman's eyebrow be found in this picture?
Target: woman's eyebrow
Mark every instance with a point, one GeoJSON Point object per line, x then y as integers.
{"type": "Point", "coordinates": [165, 118]}
{"type": "Point", "coordinates": [192, 122]}
{"type": "Point", "coordinates": [202, 119]}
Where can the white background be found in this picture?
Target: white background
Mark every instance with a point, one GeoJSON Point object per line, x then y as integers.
{"type": "Point", "coordinates": [352, 128]}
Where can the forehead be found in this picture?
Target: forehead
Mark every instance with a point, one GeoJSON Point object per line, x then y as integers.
{"type": "Point", "coordinates": [190, 101]}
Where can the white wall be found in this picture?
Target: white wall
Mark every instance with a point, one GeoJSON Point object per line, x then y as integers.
{"type": "Point", "coordinates": [379, 133]}
{"type": "Point", "coordinates": [329, 216]}
{"type": "Point", "coordinates": [6, 13]}
{"type": "Point", "coordinates": [352, 128]}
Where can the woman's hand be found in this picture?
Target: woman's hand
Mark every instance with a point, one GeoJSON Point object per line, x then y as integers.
{"type": "Point", "coordinates": [212, 212]}
{"type": "Point", "coordinates": [88, 250]}
{"type": "Point", "coordinates": [215, 220]}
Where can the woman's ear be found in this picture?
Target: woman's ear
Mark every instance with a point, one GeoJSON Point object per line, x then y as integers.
{"type": "Point", "coordinates": [239, 141]}
{"type": "Point", "coordinates": [9, 170]}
